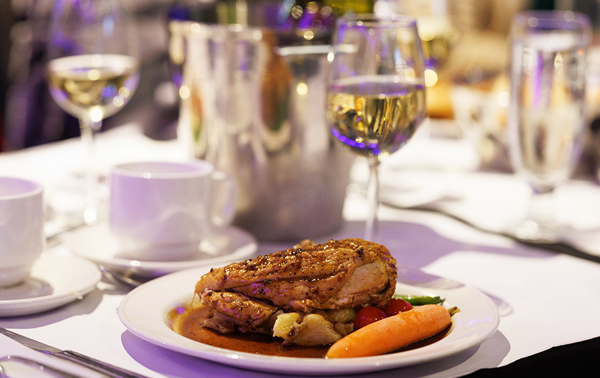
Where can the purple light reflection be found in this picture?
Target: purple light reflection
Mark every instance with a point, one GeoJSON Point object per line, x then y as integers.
{"type": "Point", "coordinates": [177, 78]}
{"type": "Point", "coordinates": [109, 91]}
{"type": "Point", "coordinates": [58, 95]}
{"type": "Point", "coordinates": [259, 288]}
{"type": "Point", "coordinates": [64, 43]}
{"type": "Point", "coordinates": [345, 140]}
{"type": "Point", "coordinates": [374, 150]}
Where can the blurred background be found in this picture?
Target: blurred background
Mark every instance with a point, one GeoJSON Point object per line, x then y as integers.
{"type": "Point", "coordinates": [465, 42]}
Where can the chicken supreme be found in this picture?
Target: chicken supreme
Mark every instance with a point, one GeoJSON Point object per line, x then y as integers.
{"type": "Point", "coordinates": [307, 295]}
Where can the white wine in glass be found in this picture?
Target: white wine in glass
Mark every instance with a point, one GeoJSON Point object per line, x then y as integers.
{"type": "Point", "coordinates": [94, 86]}
{"type": "Point", "coordinates": [375, 117]}
{"type": "Point", "coordinates": [92, 71]}
{"type": "Point", "coordinates": [376, 91]}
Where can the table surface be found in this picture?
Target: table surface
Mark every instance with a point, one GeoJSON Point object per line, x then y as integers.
{"type": "Point", "coordinates": [545, 298]}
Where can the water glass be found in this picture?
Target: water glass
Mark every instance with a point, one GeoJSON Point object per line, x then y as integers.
{"type": "Point", "coordinates": [547, 117]}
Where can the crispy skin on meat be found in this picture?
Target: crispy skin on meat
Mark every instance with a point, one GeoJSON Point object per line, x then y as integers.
{"type": "Point", "coordinates": [240, 311]}
{"type": "Point", "coordinates": [336, 274]}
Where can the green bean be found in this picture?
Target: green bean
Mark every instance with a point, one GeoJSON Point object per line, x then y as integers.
{"type": "Point", "coordinates": [420, 300]}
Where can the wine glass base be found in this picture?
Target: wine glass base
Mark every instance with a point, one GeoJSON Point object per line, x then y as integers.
{"type": "Point", "coordinates": [534, 232]}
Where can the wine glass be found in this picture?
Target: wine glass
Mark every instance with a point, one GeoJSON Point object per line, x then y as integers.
{"type": "Point", "coordinates": [436, 20]}
{"type": "Point", "coordinates": [92, 71]}
{"type": "Point", "coordinates": [376, 91]}
{"type": "Point", "coordinates": [547, 118]}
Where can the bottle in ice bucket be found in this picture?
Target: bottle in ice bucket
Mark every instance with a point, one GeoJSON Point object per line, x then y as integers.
{"type": "Point", "coordinates": [258, 113]}
{"type": "Point", "coordinates": [314, 20]}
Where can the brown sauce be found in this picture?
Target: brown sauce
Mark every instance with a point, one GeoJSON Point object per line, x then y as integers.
{"type": "Point", "coordinates": [188, 323]}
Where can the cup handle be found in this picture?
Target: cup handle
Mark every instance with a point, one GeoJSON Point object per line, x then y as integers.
{"type": "Point", "coordinates": [225, 196]}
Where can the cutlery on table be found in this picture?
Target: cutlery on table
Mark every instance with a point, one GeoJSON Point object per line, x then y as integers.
{"type": "Point", "coordinates": [33, 364]}
{"type": "Point", "coordinates": [120, 279]}
{"type": "Point", "coordinates": [69, 355]}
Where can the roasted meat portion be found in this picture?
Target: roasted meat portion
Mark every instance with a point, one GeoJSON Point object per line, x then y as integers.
{"type": "Point", "coordinates": [308, 278]}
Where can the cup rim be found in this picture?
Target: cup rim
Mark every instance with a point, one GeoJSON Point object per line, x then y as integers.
{"type": "Point", "coordinates": [35, 188]}
{"type": "Point", "coordinates": [200, 168]}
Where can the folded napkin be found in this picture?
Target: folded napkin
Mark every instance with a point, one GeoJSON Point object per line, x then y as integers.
{"type": "Point", "coordinates": [443, 176]}
{"type": "Point", "coordinates": [498, 203]}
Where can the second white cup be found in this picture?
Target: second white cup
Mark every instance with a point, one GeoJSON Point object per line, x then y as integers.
{"type": "Point", "coordinates": [162, 210]}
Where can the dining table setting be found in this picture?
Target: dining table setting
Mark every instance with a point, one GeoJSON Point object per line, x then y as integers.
{"type": "Point", "coordinates": [299, 171]}
{"type": "Point", "coordinates": [542, 298]}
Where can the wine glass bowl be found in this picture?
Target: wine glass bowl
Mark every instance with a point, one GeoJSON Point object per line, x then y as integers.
{"type": "Point", "coordinates": [92, 86]}
{"type": "Point", "coordinates": [375, 117]}
{"type": "Point", "coordinates": [92, 71]}
{"type": "Point", "coordinates": [376, 91]}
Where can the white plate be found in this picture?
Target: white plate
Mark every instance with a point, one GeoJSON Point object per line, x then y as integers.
{"type": "Point", "coordinates": [97, 244]}
{"type": "Point", "coordinates": [143, 312]}
{"type": "Point", "coordinates": [55, 280]}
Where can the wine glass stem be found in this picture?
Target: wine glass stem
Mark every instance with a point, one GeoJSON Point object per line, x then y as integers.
{"type": "Point", "coordinates": [88, 128]}
{"type": "Point", "coordinates": [372, 224]}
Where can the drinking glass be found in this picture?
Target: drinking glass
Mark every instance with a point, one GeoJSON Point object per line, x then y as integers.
{"type": "Point", "coordinates": [92, 71]}
{"type": "Point", "coordinates": [436, 21]}
{"type": "Point", "coordinates": [547, 119]}
{"type": "Point", "coordinates": [375, 91]}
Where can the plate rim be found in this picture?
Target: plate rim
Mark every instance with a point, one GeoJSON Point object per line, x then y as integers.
{"type": "Point", "coordinates": [29, 306]}
{"type": "Point", "coordinates": [291, 365]}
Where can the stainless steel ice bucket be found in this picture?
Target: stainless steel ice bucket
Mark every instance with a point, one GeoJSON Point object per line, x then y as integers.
{"type": "Point", "coordinates": [262, 119]}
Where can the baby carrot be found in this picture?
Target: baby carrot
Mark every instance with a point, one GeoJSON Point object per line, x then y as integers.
{"type": "Point", "coordinates": [392, 333]}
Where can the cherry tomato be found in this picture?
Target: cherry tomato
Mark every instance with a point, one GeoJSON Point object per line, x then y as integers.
{"type": "Point", "coordinates": [396, 306]}
{"type": "Point", "coordinates": [367, 315]}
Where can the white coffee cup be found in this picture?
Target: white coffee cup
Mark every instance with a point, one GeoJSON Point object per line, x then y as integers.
{"type": "Point", "coordinates": [161, 211]}
{"type": "Point", "coordinates": [21, 228]}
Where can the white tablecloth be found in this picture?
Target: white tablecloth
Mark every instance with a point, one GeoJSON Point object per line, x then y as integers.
{"type": "Point", "coordinates": [545, 299]}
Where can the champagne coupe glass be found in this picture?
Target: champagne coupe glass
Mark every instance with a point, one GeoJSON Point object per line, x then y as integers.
{"type": "Point", "coordinates": [92, 71]}
{"type": "Point", "coordinates": [376, 91]}
{"type": "Point", "coordinates": [547, 119]}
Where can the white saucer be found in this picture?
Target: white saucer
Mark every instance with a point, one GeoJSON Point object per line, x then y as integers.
{"type": "Point", "coordinates": [55, 280]}
{"type": "Point", "coordinates": [97, 244]}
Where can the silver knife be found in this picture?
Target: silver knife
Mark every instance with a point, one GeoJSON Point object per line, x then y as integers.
{"type": "Point", "coordinates": [77, 358]}
{"type": "Point", "coordinates": [36, 365]}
